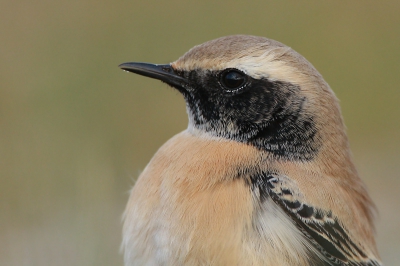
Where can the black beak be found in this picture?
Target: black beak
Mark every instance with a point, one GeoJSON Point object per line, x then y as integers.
{"type": "Point", "coordinates": [161, 72]}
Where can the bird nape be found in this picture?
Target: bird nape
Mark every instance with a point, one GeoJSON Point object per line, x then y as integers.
{"type": "Point", "coordinates": [262, 175]}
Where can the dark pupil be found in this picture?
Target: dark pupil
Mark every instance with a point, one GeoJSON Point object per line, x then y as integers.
{"type": "Point", "coordinates": [233, 79]}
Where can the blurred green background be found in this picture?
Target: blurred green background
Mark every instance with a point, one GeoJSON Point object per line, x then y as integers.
{"type": "Point", "coordinates": [75, 131]}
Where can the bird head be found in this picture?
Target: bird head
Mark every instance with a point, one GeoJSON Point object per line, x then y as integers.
{"type": "Point", "coordinates": [253, 90]}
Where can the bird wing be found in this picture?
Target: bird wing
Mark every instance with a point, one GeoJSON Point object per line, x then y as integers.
{"type": "Point", "coordinates": [321, 227]}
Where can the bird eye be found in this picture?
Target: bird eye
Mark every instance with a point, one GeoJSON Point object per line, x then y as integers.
{"type": "Point", "coordinates": [232, 79]}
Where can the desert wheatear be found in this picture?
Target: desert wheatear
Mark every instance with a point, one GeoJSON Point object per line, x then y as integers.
{"type": "Point", "coordinates": [263, 174]}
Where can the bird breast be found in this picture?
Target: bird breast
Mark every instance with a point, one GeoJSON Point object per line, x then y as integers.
{"type": "Point", "coordinates": [193, 204]}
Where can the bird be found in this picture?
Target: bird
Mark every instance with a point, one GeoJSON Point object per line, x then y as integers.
{"type": "Point", "coordinates": [263, 174]}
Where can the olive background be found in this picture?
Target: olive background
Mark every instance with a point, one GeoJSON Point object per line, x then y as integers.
{"type": "Point", "coordinates": [75, 130]}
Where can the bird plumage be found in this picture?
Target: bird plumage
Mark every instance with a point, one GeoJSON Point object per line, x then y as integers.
{"type": "Point", "coordinates": [263, 174]}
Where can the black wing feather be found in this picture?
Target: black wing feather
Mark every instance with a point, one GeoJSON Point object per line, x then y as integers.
{"type": "Point", "coordinates": [321, 227]}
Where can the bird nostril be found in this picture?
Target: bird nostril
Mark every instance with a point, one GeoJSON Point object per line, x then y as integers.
{"type": "Point", "coordinates": [166, 69]}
